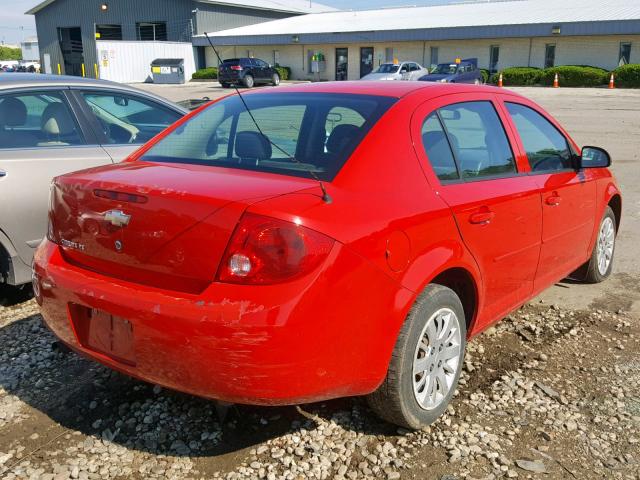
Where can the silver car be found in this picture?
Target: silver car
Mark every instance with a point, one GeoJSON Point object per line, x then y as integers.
{"type": "Point", "coordinates": [50, 125]}
{"type": "Point", "coordinates": [397, 71]}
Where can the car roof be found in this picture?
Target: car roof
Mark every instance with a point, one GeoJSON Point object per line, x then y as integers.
{"type": "Point", "coordinates": [396, 89]}
{"type": "Point", "coordinates": [26, 80]}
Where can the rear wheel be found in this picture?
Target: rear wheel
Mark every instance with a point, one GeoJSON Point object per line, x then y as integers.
{"type": "Point", "coordinates": [275, 79]}
{"type": "Point", "coordinates": [225, 85]}
{"type": "Point", "coordinates": [248, 81]}
{"type": "Point", "coordinates": [426, 361]}
{"type": "Point", "coordinates": [600, 264]}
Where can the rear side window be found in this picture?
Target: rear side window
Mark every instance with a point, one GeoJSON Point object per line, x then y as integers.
{"type": "Point", "coordinates": [300, 134]}
{"type": "Point", "coordinates": [478, 139]}
{"type": "Point", "coordinates": [547, 149]}
{"type": "Point", "coordinates": [44, 119]}
{"type": "Point", "coordinates": [436, 146]}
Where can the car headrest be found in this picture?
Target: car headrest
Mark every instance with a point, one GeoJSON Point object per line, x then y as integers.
{"type": "Point", "coordinates": [253, 145]}
{"type": "Point", "coordinates": [340, 137]}
{"type": "Point", "coordinates": [56, 120]}
{"type": "Point", "coordinates": [13, 112]}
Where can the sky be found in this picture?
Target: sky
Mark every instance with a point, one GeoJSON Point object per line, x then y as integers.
{"type": "Point", "coordinates": [15, 26]}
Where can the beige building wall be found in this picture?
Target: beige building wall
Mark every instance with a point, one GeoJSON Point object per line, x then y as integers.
{"type": "Point", "coordinates": [599, 51]}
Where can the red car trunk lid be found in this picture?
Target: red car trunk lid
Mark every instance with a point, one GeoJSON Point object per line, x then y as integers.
{"type": "Point", "coordinates": [163, 225]}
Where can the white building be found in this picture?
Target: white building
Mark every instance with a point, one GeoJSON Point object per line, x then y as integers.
{"type": "Point", "coordinates": [500, 34]}
{"type": "Point", "coordinates": [30, 51]}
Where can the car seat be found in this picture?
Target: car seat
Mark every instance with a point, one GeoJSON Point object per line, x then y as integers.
{"type": "Point", "coordinates": [13, 113]}
{"type": "Point", "coordinates": [57, 126]}
{"type": "Point", "coordinates": [252, 146]}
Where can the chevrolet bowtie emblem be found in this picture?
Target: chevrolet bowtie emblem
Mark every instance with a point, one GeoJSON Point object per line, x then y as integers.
{"type": "Point", "coordinates": [117, 218]}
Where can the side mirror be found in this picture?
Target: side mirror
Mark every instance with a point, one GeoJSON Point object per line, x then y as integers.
{"type": "Point", "coordinates": [594, 157]}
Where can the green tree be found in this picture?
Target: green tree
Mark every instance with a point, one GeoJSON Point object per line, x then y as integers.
{"type": "Point", "coordinates": [8, 53]}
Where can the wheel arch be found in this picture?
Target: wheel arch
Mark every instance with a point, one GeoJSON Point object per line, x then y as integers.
{"type": "Point", "coordinates": [615, 203]}
{"type": "Point", "coordinates": [463, 283]}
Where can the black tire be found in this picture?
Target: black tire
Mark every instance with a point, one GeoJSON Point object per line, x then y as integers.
{"type": "Point", "coordinates": [275, 79]}
{"type": "Point", "coordinates": [14, 294]}
{"type": "Point", "coordinates": [592, 268]}
{"type": "Point", "coordinates": [248, 81]}
{"type": "Point", "coordinates": [394, 400]}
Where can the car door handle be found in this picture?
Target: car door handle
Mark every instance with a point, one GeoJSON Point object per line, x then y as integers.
{"type": "Point", "coordinates": [482, 218]}
{"type": "Point", "coordinates": [3, 173]}
{"type": "Point", "coordinates": [554, 200]}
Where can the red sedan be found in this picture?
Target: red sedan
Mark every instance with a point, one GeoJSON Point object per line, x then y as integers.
{"type": "Point", "coordinates": [335, 239]}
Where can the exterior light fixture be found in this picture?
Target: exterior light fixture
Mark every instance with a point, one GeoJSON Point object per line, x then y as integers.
{"type": "Point", "coordinates": [104, 7]}
{"type": "Point", "coordinates": [556, 30]}
{"type": "Point", "coordinates": [295, 38]}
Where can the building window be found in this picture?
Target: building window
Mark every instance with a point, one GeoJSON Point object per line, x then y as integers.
{"type": "Point", "coordinates": [625, 53]}
{"type": "Point", "coordinates": [151, 31]}
{"type": "Point", "coordinates": [494, 58]}
{"type": "Point", "coordinates": [549, 55]}
{"type": "Point", "coordinates": [109, 32]}
{"type": "Point", "coordinates": [434, 56]}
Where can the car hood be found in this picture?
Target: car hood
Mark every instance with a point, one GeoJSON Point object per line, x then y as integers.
{"type": "Point", "coordinates": [436, 77]}
{"type": "Point", "coordinates": [382, 76]}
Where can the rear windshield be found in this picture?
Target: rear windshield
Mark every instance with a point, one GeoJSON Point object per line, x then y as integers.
{"type": "Point", "coordinates": [387, 68]}
{"type": "Point", "coordinates": [296, 133]}
{"type": "Point", "coordinates": [231, 61]}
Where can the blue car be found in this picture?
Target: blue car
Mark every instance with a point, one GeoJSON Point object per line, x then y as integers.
{"type": "Point", "coordinates": [461, 71]}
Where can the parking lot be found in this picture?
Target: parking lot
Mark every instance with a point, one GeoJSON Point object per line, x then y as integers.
{"type": "Point", "coordinates": [552, 391]}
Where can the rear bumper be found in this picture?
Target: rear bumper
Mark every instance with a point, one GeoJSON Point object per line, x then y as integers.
{"type": "Point", "coordinates": [229, 77]}
{"type": "Point", "coordinates": [309, 340]}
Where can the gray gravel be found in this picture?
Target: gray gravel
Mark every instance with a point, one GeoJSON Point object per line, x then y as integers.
{"type": "Point", "coordinates": [548, 391]}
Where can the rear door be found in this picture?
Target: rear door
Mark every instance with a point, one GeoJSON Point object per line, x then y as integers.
{"type": "Point", "coordinates": [124, 121]}
{"type": "Point", "coordinates": [40, 138]}
{"type": "Point", "coordinates": [263, 69]}
{"type": "Point", "coordinates": [568, 195]}
{"type": "Point", "coordinates": [471, 163]}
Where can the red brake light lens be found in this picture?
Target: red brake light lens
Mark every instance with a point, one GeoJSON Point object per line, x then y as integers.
{"type": "Point", "coordinates": [236, 67]}
{"type": "Point", "coordinates": [52, 203]}
{"type": "Point", "coordinates": [265, 250]}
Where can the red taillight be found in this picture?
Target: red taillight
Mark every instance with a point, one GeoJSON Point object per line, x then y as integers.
{"type": "Point", "coordinates": [52, 203]}
{"type": "Point", "coordinates": [236, 67]}
{"type": "Point", "coordinates": [265, 250]}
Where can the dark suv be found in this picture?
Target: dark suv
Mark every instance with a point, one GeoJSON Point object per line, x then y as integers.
{"type": "Point", "coordinates": [247, 72]}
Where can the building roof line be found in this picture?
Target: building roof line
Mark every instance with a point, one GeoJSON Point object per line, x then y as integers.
{"type": "Point", "coordinates": [273, 5]}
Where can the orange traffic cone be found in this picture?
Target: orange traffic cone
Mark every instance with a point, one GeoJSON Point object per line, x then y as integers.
{"type": "Point", "coordinates": [556, 84]}
{"type": "Point", "coordinates": [612, 82]}
{"type": "Point", "coordinates": [500, 81]}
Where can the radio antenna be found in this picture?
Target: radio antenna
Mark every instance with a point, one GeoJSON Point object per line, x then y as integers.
{"type": "Point", "coordinates": [326, 198]}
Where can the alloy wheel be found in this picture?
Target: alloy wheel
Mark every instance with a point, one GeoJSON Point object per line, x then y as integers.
{"type": "Point", "coordinates": [436, 359]}
{"type": "Point", "coordinates": [606, 239]}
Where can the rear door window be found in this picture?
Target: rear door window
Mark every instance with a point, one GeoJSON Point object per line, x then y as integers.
{"type": "Point", "coordinates": [479, 142]}
{"type": "Point", "coordinates": [38, 119]}
{"type": "Point", "coordinates": [436, 146]}
{"type": "Point", "coordinates": [547, 149]}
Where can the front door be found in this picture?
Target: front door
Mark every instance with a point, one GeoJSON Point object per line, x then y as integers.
{"type": "Point", "coordinates": [42, 140]}
{"type": "Point", "coordinates": [497, 208]}
{"type": "Point", "coordinates": [568, 196]}
{"type": "Point", "coordinates": [366, 61]}
{"type": "Point", "coordinates": [342, 63]}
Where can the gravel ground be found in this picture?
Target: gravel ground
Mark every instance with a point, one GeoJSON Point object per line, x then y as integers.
{"type": "Point", "coordinates": [546, 392]}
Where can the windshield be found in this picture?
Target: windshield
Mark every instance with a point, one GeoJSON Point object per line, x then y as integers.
{"type": "Point", "coordinates": [445, 69]}
{"type": "Point", "coordinates": [320, 129]}
{"type": "Point", "coordinates": [387, 68]}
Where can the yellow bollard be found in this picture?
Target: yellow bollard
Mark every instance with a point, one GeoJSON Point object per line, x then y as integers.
{"type": "Point", "coordinates": [95, 69]}
{"type": "Point", "coordinates": [59, 71]}
{"type": "Point", "coordinates": [83, 72]}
